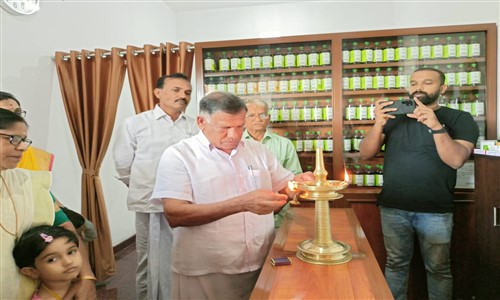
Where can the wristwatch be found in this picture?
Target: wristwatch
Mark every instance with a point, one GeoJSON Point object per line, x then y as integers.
{"type": "Point", "coordinates": [442, 130]}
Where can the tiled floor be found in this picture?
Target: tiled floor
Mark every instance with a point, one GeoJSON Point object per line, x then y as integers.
{"type": "Point", "coordinates": [121, 286]}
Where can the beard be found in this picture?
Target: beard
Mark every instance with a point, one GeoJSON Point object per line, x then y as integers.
{"type": "Point", "coordinates": [427, 98]}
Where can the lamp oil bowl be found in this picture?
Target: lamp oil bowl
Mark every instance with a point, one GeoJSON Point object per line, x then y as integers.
{"type": "Point", "coordinates": [322, 250]}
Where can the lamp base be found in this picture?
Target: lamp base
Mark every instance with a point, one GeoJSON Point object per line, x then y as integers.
{"type": "Point", "coordinates": [334, 253]}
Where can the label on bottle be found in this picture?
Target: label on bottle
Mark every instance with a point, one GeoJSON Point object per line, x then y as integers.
{"type": "Point", "coordinates": [451, 78]}
{"type": "Point", "coordinates": [251, 87]}
{"type": "Point", "coordinates": [378, 81]}
{"type": "Point", "coordinates": [241, 88]}
{"type": "Point", "coordinates": [312, 59]}
{"type": "Point", "coordinates": [437, 52]}
{"type": "Point", "coordinates": [299, 145]}
{"type": "Point", "coordinates": [283, 86]}
{"type": "Point", "coordinates": [327, 113]}
{"type": "Point", "coordinates": [367, 55]}
{"type": "Point", "coordinates": [209, 64]}
{"type": "Point", "coordinates": [318, 143]}
{"type": "Point", "coordinates": [325, 59]}
{"type": "Point", "coordinates": [295, 114]}
{"type": "Point", "coordinates": [272, 86]}
{"type": "Point", "coordinates": [378, 55]}
{"type": "Point", "coordinates": [474, 77]}
{"type": "Point", "coordinates": [379, 179]}
{"type": "Point", "coordinates": [221, 87]}
{"type": "Point", "coordinates": [279, 61]}
{"type": "Point", "coordinates": [345, 56]}
{"type": "Point", "coordinates": [462, 78]}
{"type": "Point", "coordinates": [425, 52]}
{"type": "Point", "coordinates": [347, 144]}
{"type": "Point", "coordinates": [389, 54]}
{"type": "Point", "coordinates": [306, 114]}
{"type": "Point", "coordinates": [345, 83]}
{"type": "Point", "coordinates": [401, 81]}
{"type": "Point", "coordinates": [328, 145]}
{"type": "Point", "coordinates": [285, 114]}
{"type": "Point", "coordinates": [401, 53]}
{"type": "Point", "coordinates": [359, 179]}
{"type": "Point", "coordinates": [246, 63]}
{"type": "Point", "coordinates": [370, 112]}
{"type": "Point", "coordinates": [223, 64]}
{"type": "Point", "coordinates": [301, 60]}
{"type": "Point", "coordinates": [366, 82]}
{"type": "Point", "coordinates": [231, 88]}
{"type": "Point", "coordinates": [308, 145]}
{"type": "Point", "coordinates": [293, 85]}
{"type": "Point", "coordinates": [235, 64]}
{"type": "Point", "coordinates": [369, 180]}
{"type": "Point", "coordinates": [361, 112]}
{"type": "Point", "coordinates": [463, 50]}
{"type": "Point", "coordinates": [327, 83]}
{"type": "Point", "coordinates": [413, 52]}
{"type": "Point", "coordinates": [450, 51]}
{"type": "Point", "coordinates": [317, 114]}
{"type": "Point", "coordinates": [350, 113]}
{"type": "Point", "coordinates": [262, 87]}
{"type": "Point", "coordinates": [478, 108]}
{"type": "Point", "coordinates": [465, 106]}
{"type": "Point", "coordinates": [256, 62]}
{"type": "Point", "coordinates": [304, 85]}
{"type": "Point", "coordinates": [390, 81]}
{"type": "Point", "coordinates": [267, 62]}
{"type": "Point", "coordinates": [273, 115]}
{"type": "Point", "coordinates": [355, 83]}
{"type": "Point", "coordinates": [290, 60]}
{"type": "Point", "coordinates": [474, 50]}
{"type": "Point", "coordinates": [355, 56]}
{"type": "Point", "coordinates": [210, 88]}
{"type": "Point", "coordinates": [315, 84]}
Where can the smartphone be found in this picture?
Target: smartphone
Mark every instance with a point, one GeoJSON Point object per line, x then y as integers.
{"type": "Point", "coordinates": [403, 107]}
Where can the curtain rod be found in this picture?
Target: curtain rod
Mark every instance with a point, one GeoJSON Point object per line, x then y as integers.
{"type": "Point", "coordinates": [123, 53]}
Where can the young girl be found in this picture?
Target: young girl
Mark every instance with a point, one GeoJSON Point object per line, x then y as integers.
{"type": "Point", "coordinates": [49, 254]}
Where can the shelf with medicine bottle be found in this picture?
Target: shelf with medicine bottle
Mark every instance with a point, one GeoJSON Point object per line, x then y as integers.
{"type": "Point", "coordinates": [377, 65]}
{"type": "Point", "coordinates": [292, 74]}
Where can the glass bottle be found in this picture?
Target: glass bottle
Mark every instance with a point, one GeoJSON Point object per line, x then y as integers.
{"type": "Point", "coordinates": [209, 62]}
{"type": "Point", "coordinates": [450, 76]}
{"type": "Point", "coordinates": [299, 142]}
{"type": "Point", "coordinates": [306, 115]}
{"type": "Point", "coordinates": [256, 60]}
{"type": "Point", "coordinates": [278, 59]}
{"type": "Point", "coordinates": [379, 175]}
{"type": "Point", "coordinates": [370, 112]}
{"type": "Point", "coordinates": [231, 85]}
{"type": "Point", "coordinates": [345, 80]}
{"type": "Point", "coordinates": [378, 53]}
{"type": "Point", "coordinates": [301, 57]}
{"type": "Point", "coordinates": [390, 79]}
{"type": "Point", "coordinates": [478, 106]}
{"type": "Point", "coordinates": [366, 80]}
{"type": "Point", "coordinates": [235, 62]}
{"type": "Point", "coordinates": [354, 81]}
{"type": "Point", "coordinates": [267, 59]}
{"type": "Point", "coordinates": [308, 142]}
{"type": "Point", "coordinates": [347, 138]}
{"type": "Point", "coordinates": [369, 176]}
{"type": "Point", "coordinates": [241, 86]}
{"type": "Point", "coordinates": [437, 49]}
{"type": "Point", "coordinates": [262, 85]}
{"type": "Point", "coordinates": [450, 49]}
{"type": "Point", "coordinates": [326, 81]}
{"type": "Point", "coordinates": [293, 84]}
{"type": "Point", "coordinates": [221, 85]}
{"type": "Point", "coordinates": [325, 56]}
{"type": "Point", "coordinates": [367, 53]}
{"type": "Point", "coordinates": [357, 176]}
{"type": "Point", "coordinates": [328, 142]}
{"type": "Point", "coordinates": [465, 104]}
{"type": "Point", "coordinates": [315, 82]}
{"type": "Point", "coordinates": [251, 86]}
{"type": "Point", "coordinates": [350, 110]}
{"type": "Point", "coordinates": [246, 61]}
{"type": "Point", "coordinates": [272, 85]}
{"type": "Point", "coordinates": [285, 112]}
{"type": "Point", "coordinates": [317, 112]}
{"type": "Point", "coordinates": [413, 50]}
{"type": "Point", "coordinates": [312, 57]}
{"type": "Point", "coordinates": [273, 113]}
{"type": "Point", "coordinates": [290, 58]}
{"type": "Point", "coordinates": [210, 87]}
{"type": "Point", "coordinates": [283, 84]}
{"type": "Point", "coordinates": [355, 54]}
{"type": "Point", "coordinates": [425, 49]}
{"type": "Point", "coordinates": [389, 52]}
{"type": "Point", "coordinates": [474, 77]}
{"type": "Point", "coordinates": [294, 112]}
{"type": "Point", "coordinates": [305, 83]}
{"type": "Point", "coordinates": [462, 76]}
{"type": "Point", "coordinates": [223, 62]}
{"type": "Point", "coordinates": [462, 47]}
{"type": "Point", "coordinates": [378, 79]}
{"type": "Point", "coordinates": [401, 51]}
{"type": "Point", "coordinates": [454, 103]}
{"type": "Point", "coordinates": [401, 79]}
{"type": "Point", "coordinates": [345, 54]}
{"type": "Point", "coordinates": [328, 111]}
{"type": "Point", "coordinates": [361, 110]}
{"type": "Point", "coordinates": [318, 141]}
{"type": "Point", "coordinates": [474, 47]}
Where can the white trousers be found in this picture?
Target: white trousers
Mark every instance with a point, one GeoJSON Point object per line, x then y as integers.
{"type": "Point", "coordinates": [153, 244]}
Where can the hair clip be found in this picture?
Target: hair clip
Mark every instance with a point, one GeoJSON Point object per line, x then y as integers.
{"type": "Point", "coordinates": [46, 238]}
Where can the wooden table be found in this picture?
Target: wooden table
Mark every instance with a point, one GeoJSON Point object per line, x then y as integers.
{"type": "Point", "coordinates": [361, 278]}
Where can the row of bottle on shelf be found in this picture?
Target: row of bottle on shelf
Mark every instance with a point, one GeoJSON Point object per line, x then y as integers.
{"type": "Point", "coordinates": [398, 78]}
{"type": "Point", "coordinates": [291, 112]}
{"type": "Point", "coordinates": [309, 141]}
{"type": "Point", "coordinates": [362, 109]}
{"type": "Point", "coordinates": [366, 175]}
{"type": "Point", "coordinates": [271, 84]}
{"type": "Point", "coordinates": [292, 57]}
{"type": "Point", "coordinates": [452, 47]}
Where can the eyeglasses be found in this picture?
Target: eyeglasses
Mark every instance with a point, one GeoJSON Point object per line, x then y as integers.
{"type": "Point", "coordinates": [16, 140]}
{"type": "Point", "coordinates": [20, 112]}
{"type": "Point", "coordinates": [262, 116]}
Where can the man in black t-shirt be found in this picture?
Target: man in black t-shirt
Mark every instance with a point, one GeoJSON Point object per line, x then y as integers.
{"type": "Point", "coordinates": [423, 150]}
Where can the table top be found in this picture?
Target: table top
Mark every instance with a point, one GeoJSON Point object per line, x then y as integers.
{"type": "Point", "coordinates": [361, 278]}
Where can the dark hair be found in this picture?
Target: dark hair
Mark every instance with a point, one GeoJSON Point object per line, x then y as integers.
{"type": "Point", "coordinates": [9, 118]}
{"type": "Point", "coordinates": [441, 74]}
{"type": "Point", "coordinates": [221, 101]}
{"type": "Point", "coordinates": [6, 96]}
{"type": "Point", "coordinates": [161, 80]}
{"type": "Point", "coordinates": [31, 243]}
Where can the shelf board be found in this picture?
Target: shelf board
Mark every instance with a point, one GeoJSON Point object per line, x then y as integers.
{"type": "Point", "coordinates": [359, 122]}
{"type": "Point", "coordinates": [450, 90]}
{"type": "Point", "coordinates": [267, 71]}
{"type": "Point", "coordinates": [301, 124]}
{"type": "Point", "coordinates": [313, 154]}
{"type": "Point", "coordinates": [407, 63]}
{"type": "Point", "coordinates": [288, 95]}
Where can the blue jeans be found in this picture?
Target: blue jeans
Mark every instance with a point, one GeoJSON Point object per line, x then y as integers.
{"type": "Point", "coordinates": [434, 236]}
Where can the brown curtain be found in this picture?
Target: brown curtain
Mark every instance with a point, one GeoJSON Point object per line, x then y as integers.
{"type": "Point", "coordinates": [91, 83]}
{"type": "Point", "coordinates": [146, 65]}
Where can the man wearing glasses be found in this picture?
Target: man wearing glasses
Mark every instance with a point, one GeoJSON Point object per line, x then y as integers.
{"type": "Point", "coordinates": [256, 123]}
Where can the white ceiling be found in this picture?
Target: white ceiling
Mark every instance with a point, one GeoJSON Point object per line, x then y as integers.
{"type": "Point", "coordinates": [195, 5]}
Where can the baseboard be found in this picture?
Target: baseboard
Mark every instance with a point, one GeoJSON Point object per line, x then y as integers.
{"type": "Point", "coordinates": [126, 243]}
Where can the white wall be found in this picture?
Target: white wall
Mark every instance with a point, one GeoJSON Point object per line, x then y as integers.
{"type": "Point", "coordinates": [28, 42]}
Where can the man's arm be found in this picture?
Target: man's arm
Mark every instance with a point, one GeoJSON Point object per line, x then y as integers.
{"type": "Point", "coordinates": [124, 152]}
{"type": "Point", "coordinates": [185, 213]}
{"type": "Point", "coordinates": [371, 143]}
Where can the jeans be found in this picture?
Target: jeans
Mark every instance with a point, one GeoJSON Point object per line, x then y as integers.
{"type": "Point", "coordinates": [434, 236]}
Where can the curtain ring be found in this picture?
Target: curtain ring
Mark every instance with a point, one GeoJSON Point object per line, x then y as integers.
{"type": "Point", "coordinates": [174, 49]}
{"type": "Point", "coordinates": [189, 48]}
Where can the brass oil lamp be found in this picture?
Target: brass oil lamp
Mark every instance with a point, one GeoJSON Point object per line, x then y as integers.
{"type": "Point", "coordinates": [322, 250]}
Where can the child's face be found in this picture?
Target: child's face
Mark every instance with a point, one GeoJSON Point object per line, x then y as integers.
{"type": "Point", "coordinates": [60, 261]}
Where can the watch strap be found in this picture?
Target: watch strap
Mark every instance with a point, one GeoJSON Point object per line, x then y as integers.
{"type": "Point", "coordinates": [442, 130]}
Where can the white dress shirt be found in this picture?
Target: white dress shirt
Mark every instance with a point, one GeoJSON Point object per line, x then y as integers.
{"type": "Point", "coordinates": [137, 150]}
{"type": "Point", "coordinates": [195, 171]}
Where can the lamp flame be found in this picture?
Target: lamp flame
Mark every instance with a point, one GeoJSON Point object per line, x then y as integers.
{"type": "Point", "coordinates": [346, 175]}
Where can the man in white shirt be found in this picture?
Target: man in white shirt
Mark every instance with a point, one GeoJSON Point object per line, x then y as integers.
{"type": "Point", "coordinates": [137, 151]}
{"type": "Point", "coordinates": [220, 203]}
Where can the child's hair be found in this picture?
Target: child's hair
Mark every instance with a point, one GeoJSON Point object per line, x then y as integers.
{"type": "Point", "coordinates": [35, 240]}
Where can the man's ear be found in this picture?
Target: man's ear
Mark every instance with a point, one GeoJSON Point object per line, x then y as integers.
{"type": "Point", "coordinates": [30, 272]}
{"type": "Point", "coordinates": [443, 89]}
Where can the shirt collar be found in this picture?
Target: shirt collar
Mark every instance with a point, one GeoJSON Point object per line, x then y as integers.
{"type": "Point", "coordinates": [206, 143]}
{"type": "Point", "coordinates": [159, 113]}
{"type": "Point", "coordinates": [247, 136]}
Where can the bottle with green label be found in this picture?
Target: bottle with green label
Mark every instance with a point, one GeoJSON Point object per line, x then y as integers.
{"type": "Point", "coordinates": [272, 85]}
{"type": "Point", "coordinates": [267, 59]}
{"type": "Point", "coordinates": [231, 85]}
{"type": "Point", "coordinates": [262, 84]}
{"type": "Point", "coordinates": [413, 50]}
{"type": "Point", "coordinates": [401, 51]}
{"type": "Point", "coordinates": [328, 142]}
{"type": "Point", "coordinates": [370, 112]}
{"type": "Point", "coordinates": [308, 142]}
{"type": "Point", "coordinates": [283, 84]}
{"type": "Point", "coordinates": [346, 54]}
{"type": "Point", "coordinates": [315, 82]}
{"type": "Point", "coordinates": [347, 138]}
{"type": "Point", "coordinates": [325, 56]}
{"type": "Point", "coordinates": [474, 75]}
{"type": "Point", "coordinates": [450, 49]}
{"type": "Point", "coordinates": [478, 106]}
{"type": "Point", "coordinates": [209, 62]}
{"type": "Point", "coordinates": [326, 81]}
{"type": "Point", "coordinates": [293, 83]}
{"type": "Point", "coordinates": [350, 110]}
{"type": "Point", "coordinates": [273, 113]}
{"type": "Point", "coordinates": [290, 58]}
{"type": "Point", "coordinates": [221, 85]}
{"type": "Point", "coordinates": [304, 83]}
{"type": "Point", "coordinates": [437, 50]}
{"type": "Point", "coordinates": [317, 112]}
{"type": "Point", "coordinates": [305, 111]}
{"type": "Point", "coordinates": [474, 47]}
{"type": "Point", "coordinates": [318, 141]}
{"type": "Point", "coordinates": [235, 61]}
{"type": "Point", "coordinates": [450, 76]}
{"type": "Point", "coordinates": [210, 86]}
{"type": "Point", "coordinates": [401, 79]}
{"type": "Point", "coordinates": [361, 110]}
{"type": "Point", "coordinates": [354, 81]}
{"type": "Point", "coordinates": [294, 112]}
{"type": "Point", "coordinates": [246, 61]}
{"type": "Point", "coordinates": [369, 176]}
{"type": "Point", "coordinates": [425, 49]}
{"type": "Point", "coordinates": [355, 54]}
{"type": "Point", "coordinates": [223, 62]}
{"type": "Point", "coordinates": [367, 53]}
{"type": "Point", "coordinates": [465, 104]}
{"type": "Point", "coordinates": [328, 111]}
{"type": "Point", "coordinates": [345, 80]}
{"type": "Point", "coordinates": [462, 76]}
{"type": "Point", "coordinates": [357, 176]}
{"type": "Point", "coordinates": [278, 59]}
{"type": "Point", "coordinates": [256, 60]}
{"type": "Point", "coordinates": [390, 79]}
{"type": "Point", "coordinates": [462, 47]}
{"type": "Point", "coordinates": [378, 53]}
{"type": "Point", "coordinates": [378, 79]}
{"type": "Point", "coordinates": [379, 175]}
{"type": "Point", "coordinates": [367, 80]}
{"type": "Point", "coordinates": [241, 86]}
{"type": "Point", "coordinates": [312, 57]}
{"type": "Point", "coordinates": [299, 142]}
{"type": "Point", "coordinates": [389, 52]}
{"type": "Point", "coordinates": [251, 85]}
{"type": "Point", "coordinates": [285, 112]}
{"type": "Point", "coordinates": [301, 58]}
